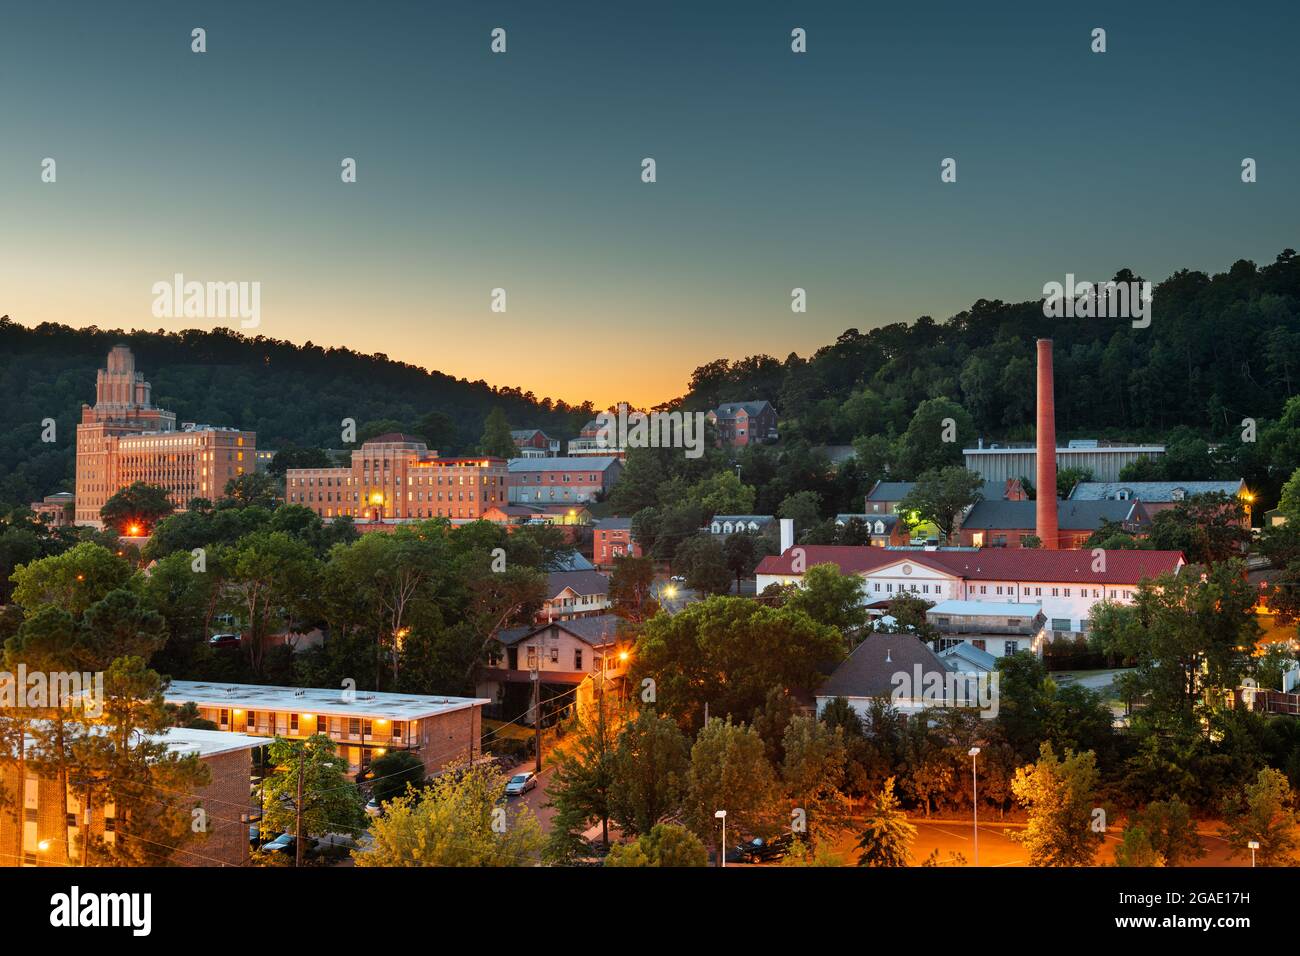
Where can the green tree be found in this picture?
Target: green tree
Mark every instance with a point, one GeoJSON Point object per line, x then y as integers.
{"type": "Point", "coordinates": [887, 837]}
{"type": "Point", "coordinates": [580, 787]}
{"type": "Point", "coordinates": [135, 509]}
{"type": "Point", "coordinates": [730, 652]}
{"type": "Point", "coordinates": [1059, 797]}
{"type": "Point", "coordinates": [814, 775]}
{"type": "Point", "coordinates": [667, 844]}
{"type": "Point", "coordinates": [729, 771]}
{"type": "Point", "coordinates": [253, 488]}
{"type": "Point", "coordinates": [830, 597]}
{"type": "Point", "coordinates": [935, 436]}
{"type": "Point", "coordinates": [649, 773]}
{"type": "Point", "coordinates": [630, 588]}
{"type": "Point", "coordinates": [496, 439]}
{"type": "Point", "coordinates": [272, 578]}
{"type": "Point", "coordinates": [803, 506]}
{"type": "Point", "coordinates": [1263, 812]}
{"type": "Point", "coordinates": [722, 493]}
{"type": "Point", "coordinates": [394, 772]}
{"type": "Point", "coordinates": [458, 821]}
{"type": "Point", "coordinates": [1171, 831]}
{"type": "Point", "coordinates": [742, 552]}
{"type": "Point", "coordinates": [331, 803]}
{"type": "Point", "coordinates": [1135, 848]}
{"type": "Point", "coordinates": [940, 495]}
{"type": "Point", "coordinates": [73, 580]}
{"type": "Point", "coordinates": [704, 564]}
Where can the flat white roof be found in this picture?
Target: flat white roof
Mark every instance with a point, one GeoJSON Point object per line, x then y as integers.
{"type": "Point", "coordinates": [317, 700]}
{"type": "Point", "coordinates": [183, 741]}
{"type": "Point", "coordinates": [986, 608]}
{"type": "Point", "coordinates": [207, 743]}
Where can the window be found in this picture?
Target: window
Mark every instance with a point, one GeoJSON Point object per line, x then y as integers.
{"type": "Point", "coordinates": [577, 658]}
{"type": "Point", "coordinates": [555, 655]}
{"type": "Point", "coordinates": [1060, 624]}
{"type": "Point", "coordinates": [1010, 647]}
{"type": "Point", "coordinates": [293, 723]}
{"type": "Point", "coordinates": [354, 726]}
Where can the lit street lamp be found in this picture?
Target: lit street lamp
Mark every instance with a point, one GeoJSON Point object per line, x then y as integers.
{"type": "Point", "coordinates": [722, 853]}
{"type": "Point", "coordinates": [1254, 845]}
{"type": "Point", "coordinates": [975, 801]}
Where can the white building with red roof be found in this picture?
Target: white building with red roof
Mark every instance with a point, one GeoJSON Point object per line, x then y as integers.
{"type": "Point", "coordinates": [1065, 584]}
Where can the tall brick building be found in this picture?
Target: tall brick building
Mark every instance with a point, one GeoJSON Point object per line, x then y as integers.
{"type": "Point", "coordinates": [396, 476]}
{"type": "Point", "coordinates": [124, 438]}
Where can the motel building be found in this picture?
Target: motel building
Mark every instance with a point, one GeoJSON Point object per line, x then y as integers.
{"type": "Point", "coordinates": [1062, 584]}
{"type": "Point", "coordinates": [439, 730]}
{"type": "Point", "coordinates": [45, 837]}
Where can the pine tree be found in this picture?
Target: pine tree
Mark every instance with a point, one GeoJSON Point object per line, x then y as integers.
{"type": "Point", "coordinates": [888, 837]}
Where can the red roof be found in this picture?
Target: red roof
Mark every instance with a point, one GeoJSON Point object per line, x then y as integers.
{"type": "Point", "coordinates": [991, 564]}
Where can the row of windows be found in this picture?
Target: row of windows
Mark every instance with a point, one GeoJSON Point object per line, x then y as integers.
{"type": "Point", "coordinates": [1009, 590]}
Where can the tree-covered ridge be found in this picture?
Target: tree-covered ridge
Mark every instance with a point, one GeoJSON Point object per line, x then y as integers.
{"type": "Point", "coordinates": [289, 394]}
{"type": "Point", "coordinates": [1219, 349]}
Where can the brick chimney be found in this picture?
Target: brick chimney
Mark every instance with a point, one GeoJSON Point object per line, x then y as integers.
{"type": "Point", "coordinates": [1045, 502]}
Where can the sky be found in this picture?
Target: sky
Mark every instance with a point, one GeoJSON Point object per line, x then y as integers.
{"type": "Point", "coordinates": [522, 170]}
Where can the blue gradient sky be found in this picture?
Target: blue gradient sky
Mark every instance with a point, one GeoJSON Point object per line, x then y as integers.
{"type": "Point", "coordinates": [522, 171]}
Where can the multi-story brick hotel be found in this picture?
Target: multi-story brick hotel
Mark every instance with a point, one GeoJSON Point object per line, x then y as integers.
{"type": "Point", "coordinates": [395, 476]}
{"type": "Point", "coordinates": [125, 438]}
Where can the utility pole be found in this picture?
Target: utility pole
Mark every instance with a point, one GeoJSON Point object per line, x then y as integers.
{"type": "Point", "coordinates": [297, 842]}
{"type": "Point", "coordinates": [537, 716]}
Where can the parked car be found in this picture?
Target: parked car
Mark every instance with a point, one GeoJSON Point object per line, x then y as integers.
{"type": "Point", "coordinates": [521, 783]}
{"type": "Point", "coordinates": [221, 641]}
{"type": "Point", "coordinates": [759, 850]}
{"type": "Point", "coordinates": [285, 844]}
{"type": "Point", "coordinates": [677, 579]}
{"type": "Point", "coordinates": [373, 809]}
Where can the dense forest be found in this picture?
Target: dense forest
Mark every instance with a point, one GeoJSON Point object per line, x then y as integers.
{"type": "Point", "coordinates": [1219, 349]}
{"type": "Point", "coordinates": [289, 394]}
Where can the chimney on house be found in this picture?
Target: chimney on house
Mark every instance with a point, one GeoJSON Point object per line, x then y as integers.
{"type": "Point", "coordinates": [1045, 511]}
{"type": "Point", "coordinates": [787, 534]}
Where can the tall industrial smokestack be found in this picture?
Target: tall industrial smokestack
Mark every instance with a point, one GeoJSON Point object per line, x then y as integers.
{"type": "Point", "coordinates": [1045, 510]}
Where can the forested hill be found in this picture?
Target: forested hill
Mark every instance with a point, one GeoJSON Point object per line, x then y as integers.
{"type": "Point", "coordinates": [288, 394]}
{"type": "Point", "coordinates": [1219, 349]}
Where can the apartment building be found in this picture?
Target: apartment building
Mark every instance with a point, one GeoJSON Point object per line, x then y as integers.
{"type": "Point", "coordinates": [44, 833]}
{"type": "Point", "coordinates": [396, 476]}
{"type": "Point", "coordinates": [572, 594]}
{"type": "Point", "coordinates": [363, 724]}
{"type": "Point", "coordinates": [124, 438]}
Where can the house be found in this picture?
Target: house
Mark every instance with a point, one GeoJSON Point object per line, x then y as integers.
{"type": "Point", "coordinates": [45, 832]}
{"type": "Point", "coordinates": [550, 481]}
{"type": "Point", "coordinates": [882, 530]}
{"type": "Point", "coordinates": [896, 667]}
{"type": "Point", "coordinates": [999, 628]}
{"type": "Point", "coordinates": [535, 443]}
{"type": "Point", "coordinates": [1274, 517]}
{"type": "Point", "coordinates": [1158, 496]}
{"type": "Point", "coordinates": [741, 524]}
{"type": "Point", "coordinates": [364, 724]}
{"type": "Point", "coordinates": [567, 655]}
{"type": "Point", "coordinates": [1006, 524]}
{"type": "Point", "coordinates": [744, 423]}
{"type": "Point", "coordinates": [1067, 583]}
{"type": "Point", "coordinates": [611, 538]}
{"type": "Point", "coordinates": [573, 594]}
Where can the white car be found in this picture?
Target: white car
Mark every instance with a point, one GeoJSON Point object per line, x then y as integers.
{"type": "Point", "coordinates": [372, 808]}
{"type": "Point", "coordinates": [521, 783]}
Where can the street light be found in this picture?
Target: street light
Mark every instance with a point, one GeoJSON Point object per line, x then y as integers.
{"type": "Point", "coordinates": [975, 801]}
{"type": "Point", "coordinates": [722, 853]}
{"type": "Point", "coordinates": [1254, 845]}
